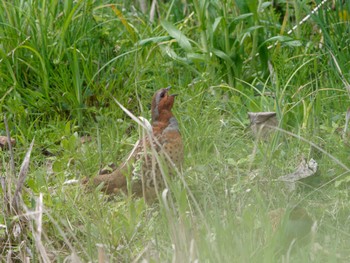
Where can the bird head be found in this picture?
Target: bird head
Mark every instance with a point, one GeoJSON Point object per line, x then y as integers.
{"type": "Point", "coordinates": [162, 104]}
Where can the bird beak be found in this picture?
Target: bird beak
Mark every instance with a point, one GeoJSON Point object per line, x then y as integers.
{"type": "Point", "coordinates": [172, 95]}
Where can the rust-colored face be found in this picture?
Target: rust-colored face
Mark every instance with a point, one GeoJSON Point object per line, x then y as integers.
{"type": "Point", "coordinates": [162, 101]}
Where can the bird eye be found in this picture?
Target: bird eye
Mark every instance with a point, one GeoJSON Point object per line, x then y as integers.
{"type": "Point", "coordinates": [162, 94]}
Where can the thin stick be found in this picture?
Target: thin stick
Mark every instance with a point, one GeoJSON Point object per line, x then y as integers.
{"type": "Point", "coordinates": [22, 176]}
{"type": "Point", "coordinates": [6, 206]}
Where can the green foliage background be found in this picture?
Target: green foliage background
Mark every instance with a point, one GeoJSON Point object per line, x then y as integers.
{"type": "Point", "coordinates": [63, 62]}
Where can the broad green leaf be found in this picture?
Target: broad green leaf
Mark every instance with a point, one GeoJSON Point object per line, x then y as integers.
{"type": "Point", "coordinates": [152, 40]}
{"type": "Point", "coordinates": [285, 40]}
{"type": "Point", "coordinates": [197, 57]}
{"type": "Point", "coordinates": [172, 54]}
{"type": "Point", "coordinates": [265, 5]}
{"type": "Point", "coordinates": [253, 28]}
{"type": "Point", "coordinates": [216, 23]}
{"type": "Point", "coordinates": [177, 34]}
{"type": "Point", "coordinates": [242, 17]}
{"type": "Point", "coordinates": [223, 55]}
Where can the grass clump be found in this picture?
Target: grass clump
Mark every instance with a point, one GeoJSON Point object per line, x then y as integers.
{"type": "Point", "coordinates": [62, 65]}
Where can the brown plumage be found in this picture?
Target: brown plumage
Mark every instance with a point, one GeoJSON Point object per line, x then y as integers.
{"type": "Point", "coordinates": [142, 169]}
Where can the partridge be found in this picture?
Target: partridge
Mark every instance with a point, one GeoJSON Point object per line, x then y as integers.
{"type": "Point", "coordinates": [158, 154]}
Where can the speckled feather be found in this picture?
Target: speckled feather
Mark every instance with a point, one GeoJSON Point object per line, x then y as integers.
{"type": "Point", "coordinates": [142, 165]}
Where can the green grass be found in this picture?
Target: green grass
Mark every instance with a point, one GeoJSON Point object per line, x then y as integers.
{"type": "Point", "coordinates": [62, 65]}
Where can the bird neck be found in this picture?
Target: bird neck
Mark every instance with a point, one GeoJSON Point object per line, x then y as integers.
{"type": "Point", "coordinates": [165, 121]}
{"type": "Point", "coordinates": [163, 115]}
